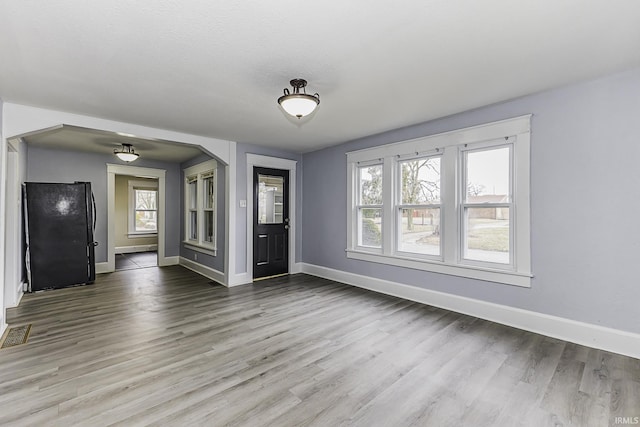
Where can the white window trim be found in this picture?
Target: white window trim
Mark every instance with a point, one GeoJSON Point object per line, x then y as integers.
{"type": "Point", "coordinates": [131, 211]}
{"type": "Point", "coordinates": [199, 171]}
{"type": "Point", "coordinates": [450, 144]}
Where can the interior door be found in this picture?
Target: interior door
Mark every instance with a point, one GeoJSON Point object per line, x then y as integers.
{"type": "Point", "coordinates": [270, 222]}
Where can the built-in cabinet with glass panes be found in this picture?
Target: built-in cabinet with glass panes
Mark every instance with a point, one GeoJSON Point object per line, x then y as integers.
{"type": "Point", "coordinates": [200, 203]}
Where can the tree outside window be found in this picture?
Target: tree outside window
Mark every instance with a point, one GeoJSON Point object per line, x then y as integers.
{"type": "Point", "coordinates": [452, 203]}
{"type": "Point", "coordinates": [419, 208]}
{"type": "Point", "coordinates": [146, 211]}
{"type": "Point", "coordinates": [370, 206]}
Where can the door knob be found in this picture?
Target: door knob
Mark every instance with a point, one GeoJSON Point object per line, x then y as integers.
{"type": "Point", "coordinates": [286, 227]}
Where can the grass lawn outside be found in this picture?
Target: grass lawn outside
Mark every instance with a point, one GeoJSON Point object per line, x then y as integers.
{"type": "Point", "coordinates": [484, 234]}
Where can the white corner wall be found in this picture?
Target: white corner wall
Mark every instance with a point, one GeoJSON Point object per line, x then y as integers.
{"type": "Point", "coordinates": [3, 210]}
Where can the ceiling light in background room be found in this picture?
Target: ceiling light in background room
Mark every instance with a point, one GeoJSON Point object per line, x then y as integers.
{"type": "Point", "coordinates": [126, 153]}
{"type": "Point", "coordinates": [298, 104]}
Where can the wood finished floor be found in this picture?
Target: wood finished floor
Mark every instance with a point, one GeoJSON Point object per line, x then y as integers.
{"type": "Point", "coordinates": [136, 260]}
{"type": "Point", "coordinates": [163, 346]}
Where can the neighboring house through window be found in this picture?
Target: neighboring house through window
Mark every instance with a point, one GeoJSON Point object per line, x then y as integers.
{"type": "Point", "coordinates": [200, 207]}
{"type": "Point", "coordinates": [454, 203]}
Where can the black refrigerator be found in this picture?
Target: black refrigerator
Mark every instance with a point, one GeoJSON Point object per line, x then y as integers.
{"type": "Point", "coordinates": [59, 227]}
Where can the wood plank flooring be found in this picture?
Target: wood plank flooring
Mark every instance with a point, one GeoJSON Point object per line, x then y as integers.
{"type": "Point", "coordinates": [131, 261]}
{"type": "Point", "coordinates": [166, 347]}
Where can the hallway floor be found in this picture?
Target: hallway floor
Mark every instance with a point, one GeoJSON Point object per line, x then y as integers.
{"type": "Point", "coordinates": [136, 260]}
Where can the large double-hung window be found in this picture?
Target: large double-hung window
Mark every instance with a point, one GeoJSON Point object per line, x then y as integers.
{"type": "Point", "coordinates": [200, 207]}
{"type": "Point", "coordinates": [418, 206]}
{"type": "Point", "coordinates": [369, 206]}
{"type": "Point", "coordinates": [486, 203]}
{"type": "Point", "coordinates": [454, 203]}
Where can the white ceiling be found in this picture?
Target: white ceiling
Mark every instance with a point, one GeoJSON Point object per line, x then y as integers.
{"type": "Point", "coordinates": [216, 68]}
{"type": "Point", "coordinates": [74, 138]}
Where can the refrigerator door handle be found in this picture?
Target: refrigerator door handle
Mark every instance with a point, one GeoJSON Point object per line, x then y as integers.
{"type": "Point", "coordinates": [93, 206]}
{"type": "Point", "coordinates": [94, 210]}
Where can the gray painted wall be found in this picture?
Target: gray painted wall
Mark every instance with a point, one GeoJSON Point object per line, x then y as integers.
{"type": "Point", "coordinates": [45, 165]}
{"type": "Point", "coordinates": [585, 209]}
{"type": "Point", "coordinates": [241, 194]}
{"type": "Point", "coordinates": [215, 262]}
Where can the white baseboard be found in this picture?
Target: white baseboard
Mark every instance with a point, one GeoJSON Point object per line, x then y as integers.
{"type": "Point", "coordinates": [209, 272]}
{"type": "Point", "coordinates": [20, 290]}
{"type": "Point", "coordinates": [169, 260]}
{"type": "Point", "coordinates": [102, 267]}
{"type": "Point", "coordinates": [239, 279]}
{"type": "Point", "coordinates": [135, 248]}
{"type": "Point", "coordinates": [245, 278]}
{"type": "Point", "coordinates": [587, 334]}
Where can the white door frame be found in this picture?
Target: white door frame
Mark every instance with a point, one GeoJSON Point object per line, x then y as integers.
{"type": "Point", "coordinates": [3, 209]}
{"type": "Point", "coordinates": [274, 163]}
{"type": "Point", "coordinates": [12, 280]}
{"type": "Point", "coordinates": [112, 171]}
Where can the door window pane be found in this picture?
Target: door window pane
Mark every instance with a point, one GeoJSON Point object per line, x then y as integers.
{"type": "Point", "coordinates": [370, 181]}
{"type": "Point", "coordinates": [270, 199]}
{"type": "Point", "coordinates": [487, 176]}
{"type": "Point", "coordinates": [487, 234]}
{"type": "Point", "coordinates": [421, 181]}
{"type": "Point", "coordinates": [370, 227]}
{"type": "Point", "coordinates": [420, 231]}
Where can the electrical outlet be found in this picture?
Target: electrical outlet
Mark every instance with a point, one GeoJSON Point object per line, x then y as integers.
{"type": "Point", "coordinates": [243, 203]}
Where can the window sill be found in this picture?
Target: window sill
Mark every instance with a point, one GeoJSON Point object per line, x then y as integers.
{"type": "Point", "coordinates": [208, 250]}
{"type": "Point", "coordinates": [140, 235]}
{"type": "Point", "coordinates": [472, 272]}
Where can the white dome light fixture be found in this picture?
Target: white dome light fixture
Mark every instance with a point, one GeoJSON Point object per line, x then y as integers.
{"type": "Point", "coordinates": [298, 104]}
{"type": "Point", "coordinates": [126, 153]}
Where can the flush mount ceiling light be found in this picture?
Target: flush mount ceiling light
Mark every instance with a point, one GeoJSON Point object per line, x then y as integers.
{"type": "Point", "coordinates": [298, 104]}
{"type": "Point", "coordinates": [126, 153]}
